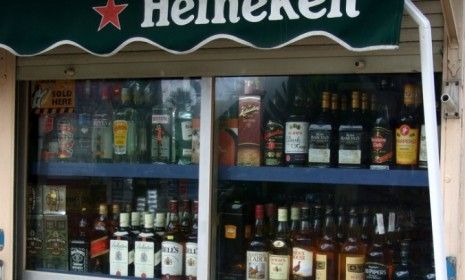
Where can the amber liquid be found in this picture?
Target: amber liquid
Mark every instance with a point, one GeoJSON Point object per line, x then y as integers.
{"type": "Point", "coordinates": [326, 259]}
{"type": "Point", "coordinates": [303, 252]}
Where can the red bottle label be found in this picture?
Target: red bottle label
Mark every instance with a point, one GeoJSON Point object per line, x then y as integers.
{"type": "Point", "coordinates": [99, 247]}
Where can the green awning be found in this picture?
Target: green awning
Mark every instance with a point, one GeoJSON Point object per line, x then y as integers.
{"type": "Point", "coordinates": [103, 27]}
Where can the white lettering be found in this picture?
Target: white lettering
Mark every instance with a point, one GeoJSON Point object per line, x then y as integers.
{"type": "Point", "coordinates": [248, 8]}
{"type": "Point", "coordinates": [219, 11]}
{"type": "Point", "coordinates": [177, 11]}
{"type": "Point", "coordinates": [202, 13]}
{"type": "Point", "coordinates": [305, 5]}
{"type": "Point", "coordinates": [149, 7]}
{"type": "Point", "coordinates": [335, 10]}
{"type": "Point", "coordinates": [351, 8]}
{"type": "Point", "coordinates": [277, 6]}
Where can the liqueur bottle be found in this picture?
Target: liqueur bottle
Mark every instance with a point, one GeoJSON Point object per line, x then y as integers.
{"type": "Point", "coordinates": [258, 249]}
{"type": "Point", "coordinates": [147, 257]}
{"type": "Point", "coordinates": [422, 157]}
{"type": "Point", "coordinates": [402, 270]}
{"type": "Point", "coordinates": [296, 133]}
{"type": "Point", "coordinates": [185, 217]}
{"type": "Point", "coordinates": [125, 120]}
{"type": "Point", "coordinates": [375, 266]}
{"type": "Point", "coordinates": [183, 129]}
{"type": "Point", "coordinates": [67, 136]}
{"type": "Point", "coordinates": [160, 135]}
{"type": "Point", "coordinates": [135, 224]}
{"type": "Point", "coordinates": [320, 135]}
{"type": "Point", "coordinates": [160, 223]}
{"type": "Point", "coordinates": [99, 244]}
{"type": "Point", "coordinates": [326, 259]}
{"type": "Point", "coordinates": [295, 221]}
{"type": "Point", "coordinates": [102, 133]}
{"type": "Point", "coordinates": [382, 139]}
{"type": "Point", "coordinates": [79, 247]}
{"type": "Point", "coordinates": [303, 250]}
{"type": "Point", "coordinates": [172, 247]}
{"type": "Point", "coordinates": [408, 131]}
{"type": "Point", "coordinates": [351, 136]}
{"type": "Point", "coordinates": [191, 246]}
{"type": "Point", "coordinates": [281, 250]}
{"type": "Point", "coordinates": [122, 249]}
{"type": "Point", "coordinates": [352, 255]}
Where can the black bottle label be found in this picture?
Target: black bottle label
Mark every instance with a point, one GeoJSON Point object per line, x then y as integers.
{"type": "Point", "coordinates": [381, 146]}
{"type": "Point", "coordinates": [274, 136]}
{"type": "Point", "coordinates": [79, 258]}
{"type": "Point", "coordinates": [350, 144]}
{"type": "Point", "coordinates": [375, 271]}
{"type": "Point", "coordinates": [319, 145]}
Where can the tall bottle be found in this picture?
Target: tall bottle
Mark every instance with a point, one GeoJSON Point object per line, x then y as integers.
{"type": "Point", "coordinates": [303, 250]}
{"type": "Point", "coordinates": [122, 249]}
{"type": "Point", "coordinates": [326, 259]}
{"type": "Point", "coordinates": [102, 133]}
{"type": "Point", "coordinates": [191, 246]}
{"type": "Point", "coordinates": [281, 250]}
{"type": "Point", "coordinates": [296, 133]}
{"type": "Point", "coordinates": [99, 244]}
{"type": "Point", "coordinates": [341, 225]}
{"type": "Point", "coordinates": [375, 266]}
{"type": "Point", "coordinates": [271, 220]}
{"type": "Point", "coordinates": [142, 122]}
{"type": "Point", "coordinates": [258, 249]}
{"type": "Point", "coordinates": [382, 139]}
{"type": "Point", "coordinates": [320, 135]}
{"type": "Point", "coordinates": [367, 121]}
{"type": "Point", "coordinates": [352, 255]}
{"type": "Point", "coordinates": [147, 257]}
{"type": "Point", "coordinates": [185, 217]}
{"type": "Point", "coordinates": [125, 120]}
{"type": "Point", "coordinates": [367, 228]}
{"type": "Point", "coordinates": [402, 270]}
{"type": "Point", "coordinates": [351, 136]}
{"type": "Point", "coordinates": [172, 247]}
{"type": "Point", "coordinates": [79, 247]}
{"type": "Point", "coordinates": [408, 131]}
{"type": "Point", "coordinates": [183, 129]}
{"type": "Point", "coordinates": [317, 222]}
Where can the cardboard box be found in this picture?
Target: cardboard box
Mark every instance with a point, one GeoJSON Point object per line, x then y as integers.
{"type": "Point", "coordinates": [34, 198]}
{"type": "Point", "coordinates": [55, 242]}
{"type": "Point", "coordinates": [34, 241]}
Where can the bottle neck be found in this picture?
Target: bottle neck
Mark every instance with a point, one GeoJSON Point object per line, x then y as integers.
{"type": "Point", "coordinates": [353, 233]}
{"type": "Point", "coordinates": [259, 227]}
{"type": "Point", "coordinates": [329, 230]}
{"type": "Point", "coordinates": [282, 228]}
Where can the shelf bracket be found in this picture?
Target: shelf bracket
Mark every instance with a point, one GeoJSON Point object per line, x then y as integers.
{"type": "Point", "coordinates": [450, 100]}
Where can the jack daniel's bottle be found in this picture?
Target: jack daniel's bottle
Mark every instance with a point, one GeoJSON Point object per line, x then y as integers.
{"type": "Point", "coordinates": [79, 247]}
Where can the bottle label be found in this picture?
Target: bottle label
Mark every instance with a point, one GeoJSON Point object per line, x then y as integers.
{"type": "Point", "coordinates": [120, 136]}
{"type": "Point", "coordinates": [296, 138]}
{"type": "Point", "coordinates": [99, 247]}
{"type": "Point", "coordinates": [320, 267]}
{"type": "Point", "coordinates": [144, 259]}
{"type": "Point", "coordinates": [171, 258]}
{"type": "Point", "coordinates": [350, 144]}
{"type": "Point", "coordinates": [319, 146]}
{"type": "Point", "coordinates": [119, 257]}
{"type": "Point", "coordinates": [279, 267]}
{"type": "Point", "coordinates": [273, 140]}
{"type": "Point", "coordinates": [302, 262]}
{"type": "Point", "coordinates": [381, 146]}
{"type": "Point", "coordinates": [79, 257]}
{"type": "Point", "coordinates": [186, 130]}
{"type": "Point", "coordinates": [354, 268]}
{"type": "Point", "coordinates": [230, 231]}
{"type": "Point", "coordinates": [160, 119]}
{"type": "Point", "coordinates": [191, 259]}
{"type": "Point", "coordinates": [406, 145]}
{"type": "Point", "coordinates": [65, 139]}
{"type": "Point", "coordinates": [375, 271]}
{"type": "Point", "coordinates": [257, 265]}
{"type": "Point", "coordinates": [423, 154]}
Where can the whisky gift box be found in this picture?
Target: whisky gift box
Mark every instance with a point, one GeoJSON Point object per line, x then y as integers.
{"type": "Point", "coordinates": [54, 199]}
{"type": "Point", "coordinates": [34, 199]}
{"type": "Point", "coordinates": [34, 241]}
{"type": "Point", "coordinates": [55, 242]}
{"type": "Point", "coordinates": [249, 131]}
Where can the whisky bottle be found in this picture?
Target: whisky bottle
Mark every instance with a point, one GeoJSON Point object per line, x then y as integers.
{"type": "Point", "coordinates": [351, 136]}
{"type": "Point", "coordinates": [317, 223]}
{"type": "Point", "coordinates": [296, 133]}
{"type": "Point", "coordinates": [135, 224]}
{"type": "Point", "coordinates": [99, 244]}
{"type": "Point", "coordinates": [408, 131]}
{"type": "Point", "coordinates": [185, 217]}
{"type": "Point", "coordinates": [172, 247]}
{"type": "Point", "coordinates": [295, 221]}
{"type": "Point", "coordinates": [367, 230]}
{"type": "Point", "coordinates": [147, 257]}
{"type": "Point", "coordinates": [122, 249]}
{"type": "Point", "coordinates": [352, 255]}
{"type": "Point", "coordinates": [160, 135]}
{"type": "Point", "coordinates": [326, 259]}
{"type": "Point", "coordinates": [303, 250]}
{"type": "Point", "coordinates": [183, 129]}
{"type": "Point", "coordinates": [382, 139]}
{"type": "Point", "coordinates": [341, 225]}
{"type": "Point", "coordinates": [125, 120]}
{"type": "Point", "coordinates": [258, 249]}
{"type": "Point", "coordinates": [335, 126]}
{"type": "Point", "coordinates": [102, 133]}
{"type": "Point", "coordinates": [191, 246]}
{"type": "Point", "coordinates": [113, 224]}
{"type": "Point", "coordinates": [320, 135]}
{"type": "Point", "coordinates": [281, 250]}
{"type": "Point", "coordinates": [375, 266]}
{"type": "Point", "coordinates": [159, 227]}
{"type": "Point", "coordinates": [79, 247]}
{"type": "Point", "coordinates": [402, 270]}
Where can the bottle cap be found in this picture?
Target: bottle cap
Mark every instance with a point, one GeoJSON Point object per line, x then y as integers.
{"type": "Point", "coordinates": [282, 214]}
{"type": "Point", "coordinates": [409, 94]}
{"type": "Point", "coordinates": [195, 207]}
{"type": "Point", "coordinates": [259, 211]}
{"type": "Point", "coordinates": [173, 206]}
{"type": "Point", "coordinates": [305, 212]}
{"type": "Point", "coordinates": [103, 209]}
{"type": "Point", "coordinates": [124, 219]}
{"type": "Point", "coordinates": [160, 219]}
{"type": "Point", "coordinates": [135, 218]}
{"type": "Point", "coordinates": [270, 210]}
{"type": "Point", "coordinates": [295, 213]}
{"type": "Point", "coordinates": [148, 220]}
{"type": "Point", "coordinates": [115, 209]}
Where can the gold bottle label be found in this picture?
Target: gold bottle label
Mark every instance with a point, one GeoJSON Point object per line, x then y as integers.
{"type": "Point", "coordinates": [407, 145]}
{"type": "Point", "coordinates": [321, 267]}
{"type": "Point", "coordinates": [355, 268]}
{"type": "Point", "coordinates": [120, 136]}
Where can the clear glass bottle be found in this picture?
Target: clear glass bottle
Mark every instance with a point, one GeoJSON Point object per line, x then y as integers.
{"type": "Point", "coordinates": [125, 120]}
{"type": "Point", "coordinates": [102, 133]}
{"type": "Point", "coordinates": [183, 129]}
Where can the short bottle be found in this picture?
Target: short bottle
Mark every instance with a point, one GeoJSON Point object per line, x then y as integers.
{"type": "Point", "coordinates": [303, 249]}
{"type": "Point", "coordinates": [281, 250]}
{"type": "Point", "coordinates": [147, 257]}
{"type": "Point", "coordinates": [258, 249]}
{"type": "Point", "coordinates": [172, 247]}
{"type": "Point", "coordinates": [122, 249]}
{"type": "Point", "coordinates": [351, 254]}
{"type": "Point", "coordinates": [326, 259]}
{"type": "Point", "coordinates": [191, 246]}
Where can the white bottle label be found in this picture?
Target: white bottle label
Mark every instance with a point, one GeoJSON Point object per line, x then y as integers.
{"type": "Point", "coordinates": [257, 265]}
{"type": "Point", "coordinates": [302, 262]}
{"type": "Point", "coordinates": [319, 144]}
{"type": "Point", "coordinates": [119, 257]}
{"type": "Point", "coordinates": [144, 259]}
{"type": "Point", "coordinates": [296, 141]}
{"type": "Point", "coordinates": [186, 130]}
{"type": "Point", "coordinates": [350, 144]}
{"type": "Point", "coordinates": [191, 259]}
{"type": "Point", "coordinates": [279, 267]}
{"type": "Point", "coordinates": [171, 258]}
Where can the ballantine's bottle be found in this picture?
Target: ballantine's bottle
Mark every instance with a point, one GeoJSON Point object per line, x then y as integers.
{"type": "Point", "coordinates": [147, 258]}
{"type": "Point", "coordinates": [122, 249]}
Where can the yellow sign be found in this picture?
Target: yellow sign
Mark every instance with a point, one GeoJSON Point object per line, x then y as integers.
{"type": "Point", "coordinates": [54, 95]}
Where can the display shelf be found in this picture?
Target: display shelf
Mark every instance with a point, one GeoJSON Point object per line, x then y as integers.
{"type": "Point", "coordinates": [35, 274]}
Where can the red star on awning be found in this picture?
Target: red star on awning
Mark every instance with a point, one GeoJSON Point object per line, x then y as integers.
{"type": "Point", "coordinates": [110, 14]}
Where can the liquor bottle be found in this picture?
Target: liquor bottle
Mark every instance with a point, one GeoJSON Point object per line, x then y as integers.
{"type": "Point", "coordinates": [341, 225]}
{"type": "Point", "coordinates": [367, 230]}
{"type": "Point", "coordinates": [125, 120]}
{"type": "Point", "coordinates": [296, 133]}
{"type": "Point", "coordinates": [196, 131]}
{"type": "Point", "coordinates": [351, 136]}
{"type": "Point", "coordinates": [343, 111]}
{"type": "Point", "coordinates": [271, 221]}
{"type": "Point", "coordinates": [114, 220]}
{"type": "Point", "coordinates": [281, 250]}
{"type": "Point", "coordinates": [375, 266]}
{"type": "Point", "coordinates": [303, 250]}
{"type": "Point", "coordinates": [335, 117]}
{"type": "Point", "coordinates": [183, 129]}
{"type": "Point", "coordinates": [320, 135]}
{"type": "Point", "coordinates": [172, 247]}
{"type": "Point", "coordinates": [185, 217]}
{"type": "Point", "coordinates": [422, 157]}
{"type": "Point", "coordinates": [367, 121]}
{"type": "Point", "coordinates": [382, 139]}
{"type": "Point", "coordinates": [274, 135]}
{"type": "Point", "coordinates": [258, 249]}
{"type": "Point", "coordinates": [317, 222]}
{"type": "Point", "coordinates": [142, 121]}
{"type": "Point", "coordinates": [83, 149]}
{"type": "Point", "coordinates": [160, 134]}
{"type": "Point", "coordinates": [160, 223]}
{"type": "Point", "coordinates": [147, 257]}
{"type": "Point", "coordinates": [102, 133]}
{"type": "Point", "coordinates": [408, 131]}
{"type": "Point", "coordinates": [391, 247]}
{"type": "Point", "coordinates": [191, 246]}
{"type": "Point", "coordinates": [99, 244]}
{"type": "Point", "coordinates": [295, 221]}
{"type": "Point", "coordinates": [79, 247]}
{"type": "Point", "coordinates": [135, 223]}
{"type": "Point", "coordinates": [326, 259]}
{"type": "Point", "coordinates": [402, 270]}
{"type": "Point", "coordinates": [352, 255]}
{"type": "Point", "coordinates": [122, 249]}
{"type": "Point", "coordinates": [229, 127]}
{"type": "Point", "coordinates": [67, 136]}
